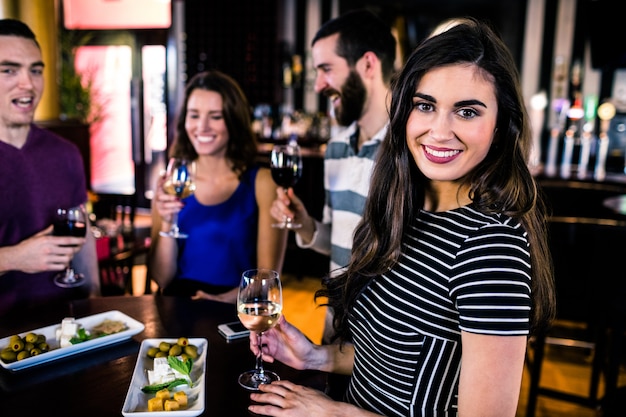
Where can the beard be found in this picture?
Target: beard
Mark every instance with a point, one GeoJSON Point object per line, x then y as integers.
{"type": "Point", "coordinates": [352, 100]}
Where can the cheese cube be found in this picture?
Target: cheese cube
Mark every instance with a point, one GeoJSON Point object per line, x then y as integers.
{"type": "Point", "coordinates": [164, 394]}
{"type": "Point", "coordinates": [155, 404]}
{"type": "Point", "coordinates": [181, 398]}
{"type": "Point", "coordinates": [171, 405]}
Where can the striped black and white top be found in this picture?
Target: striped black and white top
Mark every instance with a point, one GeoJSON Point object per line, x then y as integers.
{"type": "Point", "coordinates": [460, 270]}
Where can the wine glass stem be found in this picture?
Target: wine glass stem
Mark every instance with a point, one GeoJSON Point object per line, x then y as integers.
{"type": "Point", "coordinates": [70, 274]}
{"type": "Point", "coordinates": [259, 355]}
{"type": "Point", "coordinates": [175, 228]}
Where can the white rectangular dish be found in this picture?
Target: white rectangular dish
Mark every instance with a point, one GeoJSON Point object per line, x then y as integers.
{"type": "Point", "coordinates": [133, 327]}
{"type": "Point", "coordinates": [136, 402]}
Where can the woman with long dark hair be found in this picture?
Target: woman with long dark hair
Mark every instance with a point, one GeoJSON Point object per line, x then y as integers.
{"type": "Point", "coordinates": [450, 271]}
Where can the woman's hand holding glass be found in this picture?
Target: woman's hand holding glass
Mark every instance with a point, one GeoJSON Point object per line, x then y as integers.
{"type": "Point", "coordinates": [176, 183]}
{"type": "Point", "coordinates": [284, 343]}
{"type": "Point", "coordinates": [259, 306]}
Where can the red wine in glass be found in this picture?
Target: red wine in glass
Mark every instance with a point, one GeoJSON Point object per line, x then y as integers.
{"type": "Point", "coordinates": [286, 177]}
{"type": "Point", "coordinates": [69, 228]}
{"type": "Point", "coordinates": [70, 222]}
{"type": "Point", "coordinates": [286, 167]}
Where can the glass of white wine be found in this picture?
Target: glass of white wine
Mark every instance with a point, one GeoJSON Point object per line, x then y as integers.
{"type": "Point", "coordinates": [259, 306]}
{"type": "Point", "coordinates": [179, 181]}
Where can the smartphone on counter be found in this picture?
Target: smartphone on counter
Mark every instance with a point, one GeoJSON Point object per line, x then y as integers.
{"type": "Point", "coordinates": [233, 330]}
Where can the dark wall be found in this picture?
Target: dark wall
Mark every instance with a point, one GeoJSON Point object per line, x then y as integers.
{"type": "Point", "coordinates": [239, 37]}
{"type": "Point", "coordinates": [422, 16]}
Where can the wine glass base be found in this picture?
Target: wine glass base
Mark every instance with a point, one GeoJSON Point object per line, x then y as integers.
{"type": "Point", "coordinates": [290, 226]}
{"type": "Point", "coordinates": [69, 280]}
{"type": "Point", "coordinates": [174, 235]}
{"type": "Point", "coordinates": [251, 380]}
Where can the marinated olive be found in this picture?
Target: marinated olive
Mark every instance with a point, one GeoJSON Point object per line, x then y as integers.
{"type": "Point", "coordinates": [153, 351]}
{"type": "Point", "coordinates": [161, 354]}
{"type": "Point", "coordinates": [31, 338]}
{"type": "Point", "coordinates": [17, 345]}
{"type": "Point", "coordinates": [175, 350]}
{"type": "Point", "coordinates": [23, 347]}
{"type": "Point", "coordinates": [182, 341]}
{"type": "Point", "coordinates": [23, 355]}
{"type": "Point", "coordinates": [8, 355]}
{"type": "Point", "coordinates": [191, 351]}
{"type": "Point", "coordinates": [164, 346]}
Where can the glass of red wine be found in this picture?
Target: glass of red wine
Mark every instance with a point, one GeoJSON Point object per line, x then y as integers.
{"type": "Point", "coordinates": [70, 222]}
{"type": "Point", "coordinates": [286, 167]}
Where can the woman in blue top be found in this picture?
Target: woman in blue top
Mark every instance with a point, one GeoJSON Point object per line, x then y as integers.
{"type": "Point", "coordinates": [227, 218]}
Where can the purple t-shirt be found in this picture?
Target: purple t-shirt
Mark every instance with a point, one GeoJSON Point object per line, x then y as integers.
{"type": "Point", "coordinates": [46, 173]}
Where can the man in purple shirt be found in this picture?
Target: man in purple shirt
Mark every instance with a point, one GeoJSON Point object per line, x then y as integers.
{"type": "Point", "coordinates": [39, 172]}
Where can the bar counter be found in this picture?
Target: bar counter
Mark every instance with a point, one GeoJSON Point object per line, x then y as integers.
{"type": "Point", "coordinates": [95, 383]}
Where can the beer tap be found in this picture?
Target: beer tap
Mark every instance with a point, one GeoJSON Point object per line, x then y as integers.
{"type": "Point", "coordinates": [606, 112]}
{"type": "Point", "coordinates": [574, 114]}
{"type": "Point", "coordinates": [591, 104]}
{"type": "Point", "coordinates": [561, 107]}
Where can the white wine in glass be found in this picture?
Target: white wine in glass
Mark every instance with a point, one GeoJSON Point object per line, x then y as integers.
{"type": "Point", "coordinates": [70, 222]}
{"type": "Point", "coordinates": [179, 181]}
{"type": "Point", "coordinates": [259, 306]}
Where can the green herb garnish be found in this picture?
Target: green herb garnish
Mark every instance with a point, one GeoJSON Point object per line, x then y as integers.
{"type": "Point", "coordinates": [169, 385]}
{"type": "Point", "coordinates": [184, 367]}
{"type": "Point", "coordinates": [81, 336]}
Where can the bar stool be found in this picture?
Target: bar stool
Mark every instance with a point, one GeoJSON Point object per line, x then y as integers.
{"type": "Point", "coordinates": [590, 278]}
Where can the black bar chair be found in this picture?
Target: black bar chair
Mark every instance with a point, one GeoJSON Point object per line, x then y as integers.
{"type": "Point", "coordinates": [590, 275]}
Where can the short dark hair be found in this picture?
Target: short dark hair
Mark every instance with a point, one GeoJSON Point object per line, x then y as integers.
{"type": "Point", "coordinates": [14, 27]}
{"type": "Point", "coordinates": [361, 31]}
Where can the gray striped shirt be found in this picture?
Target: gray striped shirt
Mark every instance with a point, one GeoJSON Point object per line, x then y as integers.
{"type": "Point", "coordinates": [346, 184]}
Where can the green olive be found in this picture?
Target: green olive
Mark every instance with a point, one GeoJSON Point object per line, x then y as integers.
{"type": "Point", "coordinates": [182, 341]}
{"type": "Point", "coordinates": [164, 346]}
{"type": "Point", "coordinates": [175, 350]}
{"type": "Point", "coordinates": [191, 351]}
{"type": "Point", "coordinates": [161, 354]}
{"type": "Point", "coordinates": [153, 351]}
{"type": "Point", "coordinates": [31, 338]}
{"type": "Point", "coordinates": [35, 351]}
{"type": "Point", "coordinates": [23, 355]}
{"type": "Point", "coordinates": [17, 345]}
{"type": "Point", "coordinates": [43, 346]}
{"type": "Point", "coordinates": [8, 355]}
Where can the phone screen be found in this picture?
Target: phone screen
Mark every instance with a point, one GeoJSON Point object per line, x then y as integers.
{"type": "Point", "coordinates": [233, 330]}
{"type": "Point", "coordinates": [237, 327]}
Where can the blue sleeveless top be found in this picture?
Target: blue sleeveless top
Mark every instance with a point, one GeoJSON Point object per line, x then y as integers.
{"type": "Point", "coordinates": [222, 238]}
